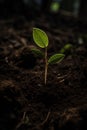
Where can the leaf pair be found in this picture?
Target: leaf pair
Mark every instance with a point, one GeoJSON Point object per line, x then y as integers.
{"type": "Point", "coordinates": [41, 39]}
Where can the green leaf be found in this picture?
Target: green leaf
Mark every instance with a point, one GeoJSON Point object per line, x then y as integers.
{"type": "Point", "coordinates": [40, 37]}
{"type": "Point", "coordinates": [56, 58]}
{"type": "Point", "coordinates": [55, 6]}
{"type": "Point", "coordinates": [37, 52]}
{"type": "Point", "coordinates": [66, 48]}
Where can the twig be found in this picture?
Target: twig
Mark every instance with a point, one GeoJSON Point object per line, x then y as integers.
{"type": "Point", "coordinates": [22, 121]}
{"type": "Point", "coordinates": [46, 119]}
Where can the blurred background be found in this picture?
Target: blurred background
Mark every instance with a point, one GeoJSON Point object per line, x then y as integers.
{"type": "Point", "coordinates": [78, 8]}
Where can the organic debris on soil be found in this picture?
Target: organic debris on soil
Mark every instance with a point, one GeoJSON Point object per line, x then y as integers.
{"type": "Point", "coordinates": [25, 102]}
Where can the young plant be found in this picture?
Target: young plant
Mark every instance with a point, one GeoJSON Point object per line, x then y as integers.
{"type": "Point", "coordinates": [41, 40]}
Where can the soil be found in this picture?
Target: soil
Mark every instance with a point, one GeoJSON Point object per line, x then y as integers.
{"type": "Point", "coordinates": [26, 103]}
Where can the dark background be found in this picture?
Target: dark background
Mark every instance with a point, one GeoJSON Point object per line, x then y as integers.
{"type": "Point", "coordinates": [10, 7]}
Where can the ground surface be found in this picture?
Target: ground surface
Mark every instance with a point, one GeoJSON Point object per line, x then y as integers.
{"type": "Point", "coordinates": [25, 102]}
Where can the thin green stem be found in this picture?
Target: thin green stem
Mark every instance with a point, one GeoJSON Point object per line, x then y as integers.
{"type": "Point", "coordinates": [46, 65]}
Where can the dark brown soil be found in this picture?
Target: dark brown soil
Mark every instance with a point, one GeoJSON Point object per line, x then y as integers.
{"type": "Point", "coordinates": [25, 102]}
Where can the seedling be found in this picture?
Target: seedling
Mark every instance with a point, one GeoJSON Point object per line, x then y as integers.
{"type": "Point", "coordinates": [41, 40]}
